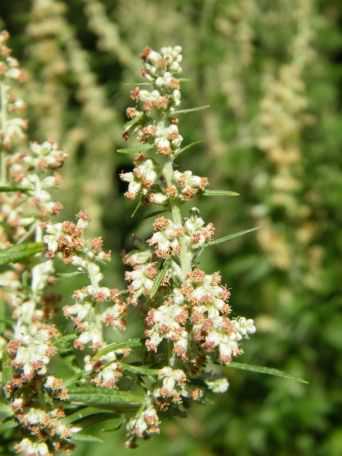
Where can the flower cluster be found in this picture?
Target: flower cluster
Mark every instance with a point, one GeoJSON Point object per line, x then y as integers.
{"type": "Point", "coordinates": [154, 122]}
{"type": "Point", "coordinates": [166, 238]}
{"type": "Point", "coordinates": [41, 424]}
{"type": "Point", "coordinates": [141, 278]}
{"type": "Point", "coordinates": [28, 170]}
{"type": "Point", "coordinates": [202, 305]}
{"type": "Point", "coordinates": [105, 371]}
{"type": "Point", "coordinates": [95, 305]}
{"type": "Point", "coordinates": [187, 312]}
{"type": "Point", "coordinates": [141, 179]}
{"type": "Point", "coordinates": [144, 424]}
{"type": "Point", "coordinates": [31, 350]}
{"type": "Point", "coordinates": [283, 118]}
{"type": "Point", "coordinates": [13, 125]}
{"type": "Point", "coordinates": [173, 388]}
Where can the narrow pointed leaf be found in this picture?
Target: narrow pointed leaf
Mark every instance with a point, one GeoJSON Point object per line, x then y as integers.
{"type": "Point", "coordinates": [112, 425]}
{"type": "Point", "coordinates": [104, 397]}
{"type": "Point", "coordinates": [265, 371]}
{"type": "Point", "coordinates": [131, 123]}
{"type": "Point", "coordinates": [229, 237]}
{"type": "Point", "coordinates": [188, 146]}
{"type": "Point", "coordinates": [130, 343]}
{"type": "Point", "coordinates": [138, 83]}
{"type": "Point", "coordinates": [186, 111]}
{"type": "Point", "coordinates": [20, 252]}
{"type": "Point", "coordinates": [137, 207]}
{"type": "Point", "coordinates": [86, 438]}
{"type": "Point", "coordinates": [10, 189]}
{"type": "Point", "coordinates": [158, 280]}
{"type": "Point", "coordinates": [135, 149]}
{"type": "Point", "coordinates": [84, 413]}
{"type": "Point", "coordinates": [220, 193]}
{"type": "Point", "coordinates": [140, 370]}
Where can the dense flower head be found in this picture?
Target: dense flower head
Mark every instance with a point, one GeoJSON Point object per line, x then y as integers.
{"type": "Point", "coordinates": [144, 424]}
{"type": "Point", "coordinates": [140, 180]}
{"type": "Point", "coordinates": [202, 305]}
{"type": "Point", "coordinates": [31, 349]}
{"type": "Point", "coordinates": [12, 129]}
{"type": "Point", "coordinates": [141, 280]}
{"type": "Point", "coordinates": [47, 426]}
{"type": "Point", "coordinates": [68, 241]}
{"type": "Point", "coordinates": [105, 371]}
{"type": "Point", "coordinates": [173, 387]}
{"type": "Point", "coordinates": [154, 123]}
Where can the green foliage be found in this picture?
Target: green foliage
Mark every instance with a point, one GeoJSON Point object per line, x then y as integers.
{"type": "Point", "coordinates": [20, 252]}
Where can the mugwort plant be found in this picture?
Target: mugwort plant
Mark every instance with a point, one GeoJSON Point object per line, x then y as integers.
{"type": "Point", "coordinates": [67, 369]}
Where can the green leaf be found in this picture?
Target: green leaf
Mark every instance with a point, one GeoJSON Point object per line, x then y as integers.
{"type": "Point", "coordinates": [188, 146]}
{"type": "Point", "coordinates": [7, 371]}
{"type": "Point", "coordinates": [265, 371]}
{"type": "Point", "coordinates": [5, 411]}
{"type": "Point", "coordinates": [110, 425]}
{"type": "Point", "coordinates": [131, 123]}
{"type": "Point", "coordinates": [220, 193]}
{"type": "Point", "coordinates": [140, 370]}
{"type": "Point", "coordinates": [8, 425]}
{"type": "Point", "coordinates": [105, 397]}
{"type": "Point", "coordinates": [138, 83]}
{"type": "Point", "coordinates": [86, 438]}
{"type": "Point", "coordinates": [129, 343]}
{"type": "Point", "coordinates": [2, 316]}
{"type": "Point", "coordinates": [229, 237]}
{"type": "Point", "coordinates": [137, 207]}
{"type": "Point", "coordinates": [158, 280]}
{"type": "Point", "coordinates": [20, 252]}
{"type": "Point", "coordinates": [135, 149]}
{"type": "Point", "coordinates": [186, 111]}
{"type": "Point", "coordinates": [84, 413]}
{"type": "Point", "coordinates": [8, 189]}
{"type": "Point", "coordinates": [64, 343]}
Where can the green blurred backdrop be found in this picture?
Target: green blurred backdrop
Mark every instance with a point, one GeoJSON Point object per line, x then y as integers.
{"type": "Point", "coordinates": [271, 70]}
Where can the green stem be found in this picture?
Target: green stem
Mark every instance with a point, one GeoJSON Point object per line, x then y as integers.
{"type": "Point", "coordinates": [185, 255]}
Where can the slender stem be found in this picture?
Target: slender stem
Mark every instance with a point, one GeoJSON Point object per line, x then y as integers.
{"type": "Point", "coordinates": [3, 96]}
{"type": "Point", "coordinates": [185, 255]}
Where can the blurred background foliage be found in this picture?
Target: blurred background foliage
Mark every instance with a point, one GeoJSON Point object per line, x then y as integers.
{"type": "Point", "coordinates": [271, 72]}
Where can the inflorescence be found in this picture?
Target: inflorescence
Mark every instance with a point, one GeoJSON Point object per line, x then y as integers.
{"type": "Point", "coordinates": [189, 331]}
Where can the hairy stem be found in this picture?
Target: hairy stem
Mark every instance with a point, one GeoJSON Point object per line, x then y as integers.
{"type": "Point", "coordinates": [185, 255]}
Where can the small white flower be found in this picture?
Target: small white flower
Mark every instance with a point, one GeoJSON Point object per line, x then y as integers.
{"type": "Point", "coordinates": [219, 385]}
{"type": "Point", "coordinates": [157, 198]}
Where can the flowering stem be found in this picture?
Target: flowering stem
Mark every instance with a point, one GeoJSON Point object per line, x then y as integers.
{"type": "Point", "coordinates": [185, 254]}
